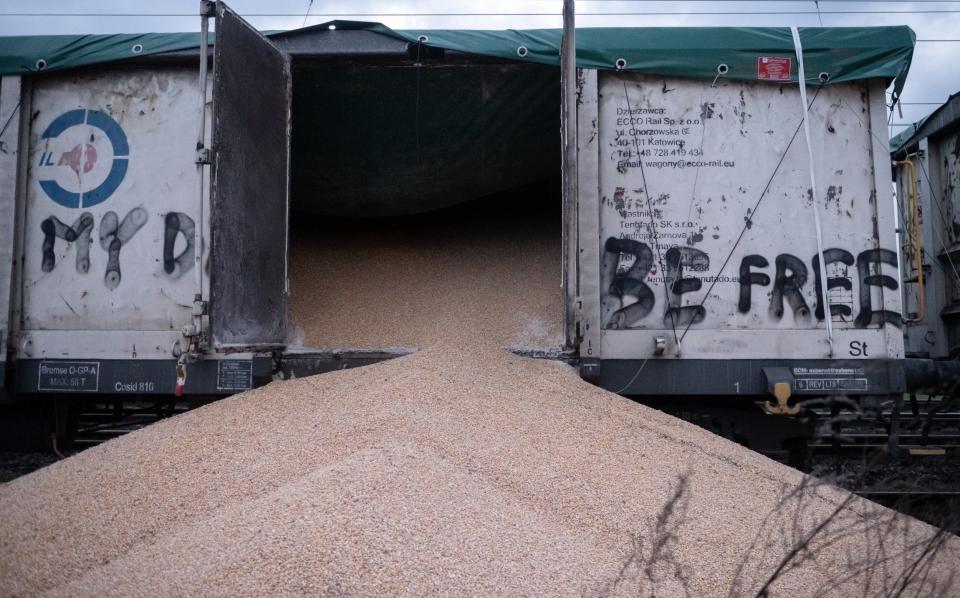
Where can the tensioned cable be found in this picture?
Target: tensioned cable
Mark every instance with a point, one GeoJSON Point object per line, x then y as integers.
{"type": "Point", "coordinates": [493, 14]}
{"type": "Point", "coordinates": [749, 220]}
{"type": "Point", "coordinates": [306, 15]}
{"type": "Point", "coordinates": [12, 114]}
{"type": "Point", "coordinates": [943, 217]}
{"type": "Point", "coordinates": [653, 229]}
{"type": "Point", "coordinates": [936, 202]}
{"type": "Point", "coordinates": [802, 84]}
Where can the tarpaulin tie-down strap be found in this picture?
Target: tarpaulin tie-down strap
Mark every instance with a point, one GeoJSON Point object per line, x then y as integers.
{"type": "Point", "coordinates": [802, 84]}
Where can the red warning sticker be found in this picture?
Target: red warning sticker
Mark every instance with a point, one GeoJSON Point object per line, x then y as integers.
{"type": "Point", "coordinates": [773, 68]}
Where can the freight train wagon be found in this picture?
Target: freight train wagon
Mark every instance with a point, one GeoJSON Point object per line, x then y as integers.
{"type": "Point", "coordinates": [926, 159]}
{"type": "Point", "coordinates": [715, 239]}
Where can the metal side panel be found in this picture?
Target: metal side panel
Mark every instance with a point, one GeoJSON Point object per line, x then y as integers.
{"type": "Point", "coordinates": [885, 224]}
{"type": "Point", "coordinates": [9, 144]}
{"type": "Point", "coordinates": [250, 191]}
{"type": "Point", "coordinates": [587, 262]}
{"type": "Point", "coordinates": [708, 244]}
{"type": "Point", "coordinates": [808, 378]}
{"type": "Point", "coordinates": [140, 376]}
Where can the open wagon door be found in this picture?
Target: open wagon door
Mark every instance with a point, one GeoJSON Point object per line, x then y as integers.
{"type": "Point", "coordinates": [249, 188]}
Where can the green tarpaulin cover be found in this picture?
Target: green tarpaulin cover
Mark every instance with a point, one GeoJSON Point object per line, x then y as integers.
{"type": "Point", "coordinates": [845, 53]}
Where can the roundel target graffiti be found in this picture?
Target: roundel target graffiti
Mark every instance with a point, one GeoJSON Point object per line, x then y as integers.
{"type": "Point", "coordinates": [84, 159]}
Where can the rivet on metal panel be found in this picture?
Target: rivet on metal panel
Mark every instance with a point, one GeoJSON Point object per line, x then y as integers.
{"type": "Point", "coordinates": [620, 64]}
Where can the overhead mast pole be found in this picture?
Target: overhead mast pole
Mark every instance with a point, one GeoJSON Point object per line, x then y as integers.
{"type": "Point", "coordinates": [568, 110]}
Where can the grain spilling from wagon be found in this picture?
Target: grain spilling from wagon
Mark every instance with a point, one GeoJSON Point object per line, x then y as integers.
{"type": "Point", "coordinates": [462, 469]}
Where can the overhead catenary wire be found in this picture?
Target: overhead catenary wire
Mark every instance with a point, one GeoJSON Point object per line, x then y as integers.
{"type": "Point", "coordinates": [493, 14]}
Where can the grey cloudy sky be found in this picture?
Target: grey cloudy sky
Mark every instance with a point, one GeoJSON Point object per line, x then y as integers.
{"type": "Point", "coordinates": [935, 73]}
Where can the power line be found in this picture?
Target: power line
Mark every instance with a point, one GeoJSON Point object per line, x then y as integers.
{"type": "Point", "coordinates": [306, 15]}
{"type": "Point", "coordinates": [494, 14]}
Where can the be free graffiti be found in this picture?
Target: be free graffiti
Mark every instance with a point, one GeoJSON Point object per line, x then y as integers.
{"type": "Point", "coordinates": [628, 300]}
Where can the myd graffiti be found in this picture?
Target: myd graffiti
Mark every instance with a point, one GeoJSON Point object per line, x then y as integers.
{"type": "Point", "coordinates": [114, 234]}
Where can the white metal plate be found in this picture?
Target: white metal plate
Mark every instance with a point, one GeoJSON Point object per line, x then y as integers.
{"type": "Point", "coordinates": [672, 257]}
{"type": "Point", "coordinates": [112, 199]}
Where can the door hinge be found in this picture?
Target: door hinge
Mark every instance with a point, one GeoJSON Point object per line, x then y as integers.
{"type": "Point", "coordinates": [208, 8]}
{"type": "Point", "coordinates": [203, 155]}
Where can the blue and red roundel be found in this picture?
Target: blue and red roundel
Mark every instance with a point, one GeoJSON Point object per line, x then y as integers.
{"type": "Point", "coordinates": [83, 158]}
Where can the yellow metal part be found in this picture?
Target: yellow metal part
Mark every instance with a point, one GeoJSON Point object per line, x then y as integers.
{"type": "Point", "coordinates": [781, 392]}
{"type": "Point", "coordinates": [914, 240]}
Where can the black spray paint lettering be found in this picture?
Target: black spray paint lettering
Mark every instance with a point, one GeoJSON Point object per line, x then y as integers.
{"type": "Point", "coordinates": [177, 223]}
{"type": "Point", "coordinates": [113, 236]}
{"type": "Point", "coordinates": [832, 256]}
{"type": "Point", "coordinates": [677, 259]}
{"type": "Point", "coordinates": [748, 278]}
{"type": "Point", "coordinates": [80, 232]}
{"type": "Point", "coordinates": [868, 315]}
{"type": "Point", "coordinates": [626, 264]}
{"type": "Point", "coordinates": [616, 312]}
{"type": "Point", "coordinates": [788, 287]}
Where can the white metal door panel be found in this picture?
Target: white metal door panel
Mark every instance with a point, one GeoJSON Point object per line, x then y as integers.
{"type": "Point", "coordinates": [9, 157]}
{"type": "Point", "coordinates": [692, 202]}
{"type": "Point", "coordinates": [112, 198]}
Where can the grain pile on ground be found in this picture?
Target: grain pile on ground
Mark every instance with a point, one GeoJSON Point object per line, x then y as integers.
{"type": "Point", "coordinates": [489, 268]}
{"type": "Point", "coordinates": [447, 470]}
{"type": "Point", "coordinates": [460, 469]}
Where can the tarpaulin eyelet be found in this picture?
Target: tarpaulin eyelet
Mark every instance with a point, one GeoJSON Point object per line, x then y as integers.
{"type": "Point", "coordinates": [136, 49]}
{"type": "Point", "coordinates": [522, 51]}
{"type": "Point", "coordinates": [824, 77]}
{"type": "Point", "coordinates": [41, 64]}
{"type": "Point", "coordinates": [721, 71]}
{"type": "Point", "coordinates": [423, 39]}
{"type": "Point", "coordinates": [620, 64]}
